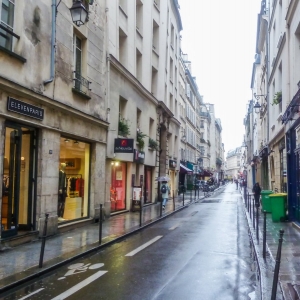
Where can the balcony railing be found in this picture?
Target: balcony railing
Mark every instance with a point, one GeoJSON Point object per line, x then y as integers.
{"type": "Point", "coordinates": [81, 84]}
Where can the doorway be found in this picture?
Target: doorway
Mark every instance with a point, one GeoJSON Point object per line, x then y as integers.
{"type": "Point", "coordinates": [19, 173]}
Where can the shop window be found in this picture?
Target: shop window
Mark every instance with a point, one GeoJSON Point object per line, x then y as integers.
{"type": "Point", "coordinates": [73, 180]}
{"type": "Point", "coordinates": [118, 186]}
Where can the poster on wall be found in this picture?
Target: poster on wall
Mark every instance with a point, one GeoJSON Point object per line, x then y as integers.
{"type": "Point", "coordinates": [137, 193]}
{"type": "Point", "coordinates": [119, 175]}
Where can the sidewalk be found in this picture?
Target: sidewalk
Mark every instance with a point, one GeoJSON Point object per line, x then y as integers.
{"type": "Point", "coordinates": [289, 273]}
{"type": "Point", "coordinates": [21, 263]}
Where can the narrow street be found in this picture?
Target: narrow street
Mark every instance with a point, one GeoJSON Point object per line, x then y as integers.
{"type": "Point", "coordinates": [201, 252]}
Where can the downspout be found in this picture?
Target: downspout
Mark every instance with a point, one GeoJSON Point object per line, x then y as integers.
{"type": "Point", "coordinates": [268, 89]}
{"type": "Point", "coordinates": [52, 43]}
{"type": "Point", "coordinates": [107, 181]}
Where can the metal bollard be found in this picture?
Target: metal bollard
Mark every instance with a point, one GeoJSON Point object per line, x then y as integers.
{"type": "Point", "coordinates": [191, 196]}
{"type": "Point", "coordinates": [183, 197]}
{"type": "Point", "coordinates": [173, 201]}
{"type": "Point", "coordinates": [265, 234]}
{"type": "Point", "coordinates": [141, 211]}
{"type": "Point", "coordinates": [257, 218]}
{"type": "Point", "coordinates": [277, 266]}
{"type": "Point", "coordinates": [100, 224]}
{"type": "Point", "coordinates": [250, 209]}
{"type": "Point", "coordinates": [43, 241]}
{"type": "Point", "coordinates": [253, 213]}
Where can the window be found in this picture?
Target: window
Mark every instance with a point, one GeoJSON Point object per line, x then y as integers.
{"type": "Point", "coordinates": [122, 47]}
{"type": "Point", "coordinates": [139, 65]}
{"type": "Point", "coordinates": [77, 46]}
{"type": "Point", "coordinates": [7, 20]}
{"type": "Point", "coordinates": [154, 82]}
{"type": "Point", "coordinates": [139, 16]}
{"type": "Point", "coordinates": [155, 32]}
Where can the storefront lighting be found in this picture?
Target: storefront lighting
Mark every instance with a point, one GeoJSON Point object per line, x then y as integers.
{"type": "Point", "coordinates": [67, 140]}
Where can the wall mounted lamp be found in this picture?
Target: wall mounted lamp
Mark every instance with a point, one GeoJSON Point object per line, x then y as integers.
{"type": "Point", "coordinates": [257, 106]}
{"type": "Point", "coordinates": [79, 12]}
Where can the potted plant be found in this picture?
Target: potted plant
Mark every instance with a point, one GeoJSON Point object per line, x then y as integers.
{"type": "Point", "coordinates": [140, 140]}
{"type": "Point", "coordinates": [277, 98]}
{"type": "Point", "coordinates": [153, 144]}
{"type": "Point", "coordinates": [123, 129]}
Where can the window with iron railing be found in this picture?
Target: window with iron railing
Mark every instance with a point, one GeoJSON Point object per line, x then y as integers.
{"type": "Point", "coordinates": [81, 84]}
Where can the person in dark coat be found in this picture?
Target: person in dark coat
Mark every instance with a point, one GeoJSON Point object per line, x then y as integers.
{"type": "Point", "coordinates": [256, 190]}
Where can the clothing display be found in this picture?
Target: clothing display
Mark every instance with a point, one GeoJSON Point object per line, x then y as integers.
{"type": "Point", "coordinates": [75, 186]}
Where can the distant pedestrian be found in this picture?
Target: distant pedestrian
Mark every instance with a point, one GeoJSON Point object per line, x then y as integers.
{"type": "Point", "coordinates": [165, 190]}
{"type": "Point", "coordinates": [256, 190]}
{"type": "Point", "coordinates": [237, 183]}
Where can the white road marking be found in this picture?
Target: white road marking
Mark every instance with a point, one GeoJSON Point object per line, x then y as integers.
{"type": "Point", "coordinates": [79, 286]}
{"type": "Point", "coordinates": [29, 295]}
{"type": "Point", "coordinates": [144, 246]}
{"type": "Point", "coordinates": [174, 227]}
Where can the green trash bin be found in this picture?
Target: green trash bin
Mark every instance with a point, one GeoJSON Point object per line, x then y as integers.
{"type": "Point", "coordinates": [265, 200]}
{"type": "Point", "coordinates": [278, 203]}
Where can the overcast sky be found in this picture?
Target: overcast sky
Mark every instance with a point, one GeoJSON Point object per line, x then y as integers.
{"type": "Point", "coordinates": [219, 38]}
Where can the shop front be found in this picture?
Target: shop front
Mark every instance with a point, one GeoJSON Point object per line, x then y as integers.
{"type": "Point", "coordinates": [19, 179]}
{"type": "Point", "coordinates": [46, 167]}
{"type": "Point", "coordinates": [172, 175]}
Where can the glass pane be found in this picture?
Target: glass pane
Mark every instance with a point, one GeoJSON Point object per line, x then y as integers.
{"type": "Point", "coordinates": [73, 177]}
{"type": "Point", "coordinates": [118, 186]}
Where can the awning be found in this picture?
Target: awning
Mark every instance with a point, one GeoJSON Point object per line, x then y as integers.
{"type": "Point", "coordinates": [185, 170]}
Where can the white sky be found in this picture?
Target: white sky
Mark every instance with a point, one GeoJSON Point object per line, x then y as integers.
{"type": "Point", "coordinates": [219, 37]}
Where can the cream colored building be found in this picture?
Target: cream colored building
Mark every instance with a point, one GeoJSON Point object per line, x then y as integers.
{"type": "Point", "coordinates": [52, 116]}
{"type": "Point", "coordinates": [143, 93]}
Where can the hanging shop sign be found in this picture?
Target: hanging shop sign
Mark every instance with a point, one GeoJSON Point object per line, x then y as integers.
{"type": "Point", "coordinates": [26, 109]}
{"type": "Point", "coordinates": [138, 156]}
{"type": "Point", "coordinates": [172, 163]}
{"type": "Point", "coordinates": [123, 146]}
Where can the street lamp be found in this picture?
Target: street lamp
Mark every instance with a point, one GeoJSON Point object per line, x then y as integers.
{"type": "Point", "coordinates": [257, 106]}
{"type": "Point", "coordinates": [79, 13]}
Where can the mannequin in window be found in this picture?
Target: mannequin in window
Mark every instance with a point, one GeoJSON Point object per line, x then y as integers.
{"type": "Point", "coordinates": [62, 192]}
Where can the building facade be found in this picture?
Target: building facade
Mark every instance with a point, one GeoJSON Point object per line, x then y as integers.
{"type": "Point", "coordinates": [52, 117]}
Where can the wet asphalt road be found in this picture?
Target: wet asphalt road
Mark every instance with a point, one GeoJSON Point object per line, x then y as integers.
{"type": "Point", "coordinates": [201, 252]}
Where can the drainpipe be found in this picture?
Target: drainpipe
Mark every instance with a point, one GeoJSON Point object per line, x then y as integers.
{"type": "Point", "coordinates": [52, 43]}
{"type": "Point", "coordinates": [268, 87]}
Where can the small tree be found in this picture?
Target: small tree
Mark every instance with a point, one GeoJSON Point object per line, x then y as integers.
{"type": "Point", "coordinates": [123, 129]}
{"type": "Point", "coordinates": [140, 140]}
{"type": "Point", "coordinates": [277, 98]}
{"type": "Point", "coordinates": [153, 144]}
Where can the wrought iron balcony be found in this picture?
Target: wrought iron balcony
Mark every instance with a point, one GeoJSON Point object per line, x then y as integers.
{"type": "Point", "coordinates": [81, 84]}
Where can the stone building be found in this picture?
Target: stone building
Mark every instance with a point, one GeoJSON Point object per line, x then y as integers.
{"type": "Point", "coordinates": [52, 116]}
{"type": "Point", "coordinates": [143, 62]}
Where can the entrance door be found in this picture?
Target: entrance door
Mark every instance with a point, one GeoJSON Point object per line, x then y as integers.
{"type": "Point", "coordinates": [18, 181]}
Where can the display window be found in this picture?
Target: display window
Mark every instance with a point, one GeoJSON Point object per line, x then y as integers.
{"type": "Point", "coordinates": [73, 180]}
{"type": "Point", "coordinates": [148, 185]}
{"type": "Point", "coordinates": [118, 186]}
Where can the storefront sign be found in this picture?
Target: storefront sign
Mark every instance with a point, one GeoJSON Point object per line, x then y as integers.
{"type": "Point", "coordinates": [123, 146]}
{"type": "Point", "coordinates": [172, 163]}
{"type": "Point", "coordinates": [137, 194]}
{"type": "Point", "coordinates": [138, 156]}
{"type": "Point", "coordinates": [25, 108]}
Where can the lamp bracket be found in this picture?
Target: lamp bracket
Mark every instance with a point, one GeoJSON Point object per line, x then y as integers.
{"type": "Point", "coordinates": [258, 96]}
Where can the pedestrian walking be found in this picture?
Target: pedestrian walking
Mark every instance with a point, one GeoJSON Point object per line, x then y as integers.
{"type": "Point", "coordinates": [256, 190]}
{"type": "Point", "coordinates": [165, 190]}
{"type": "Point", "coordinates": [237, 184]}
